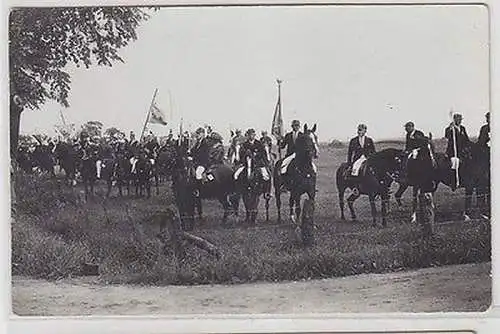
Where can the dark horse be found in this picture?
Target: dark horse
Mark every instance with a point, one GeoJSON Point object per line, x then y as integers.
{"type": "Point", "coordinates": [474, 173]}
{"type": "Point", "coordinates": [67, 156]}
{"type": "Point", "coordinates": [374, 180]}
{"type": "Point", "coordinates": [251, 185]}
{"type": "Point", "coordinates": [184, 184]}
{"type": "Point", "coordinates": [299, 178]}
{"type": "Point", "coordinates": [143, 175]}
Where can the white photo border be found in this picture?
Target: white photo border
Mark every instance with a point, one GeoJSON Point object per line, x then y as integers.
{"type": "Point", "coordinates": [483, 323]}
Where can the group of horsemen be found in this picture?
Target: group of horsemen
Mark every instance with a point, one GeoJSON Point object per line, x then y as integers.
{"type": "Point", "coordinates": [206, 148]}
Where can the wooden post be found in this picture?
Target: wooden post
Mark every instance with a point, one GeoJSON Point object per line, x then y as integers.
{"type": "Point", "coordinates": [147, 117]}
{"type": "Point", "coordinates": [425, 214]}
{"type": "Point", "coordinates": [307, 225]}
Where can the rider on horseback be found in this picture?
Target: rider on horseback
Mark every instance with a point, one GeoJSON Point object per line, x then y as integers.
{"type": "Point", "coordinates": [253, 147]}
{"type": "Point", "coordinates": [237, 139]}
{"type": "Point", "coordinates": [360, 148]}
{"type": "Point", "coordinates": [268, 144]}
{"type": "Point", "coordinates": [289, 143]}
{"type": "Point", "coordinates": [200, 156]}
{"type": "Point", "coordinates": [415, 139]}
{"type": "Point", "coordinates": [458, 140]}
{"type": "Point", "coordinates": [484, 135]}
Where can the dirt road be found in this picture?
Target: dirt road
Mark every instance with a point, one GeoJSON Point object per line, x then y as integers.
{"type": "Point", "coordinates": [452, 288]}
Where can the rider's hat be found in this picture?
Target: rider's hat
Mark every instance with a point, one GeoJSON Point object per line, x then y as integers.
{"type": "Point", "coordinates": [200, 130]}
{"type": "Point", "coordinates": [295, 122]}
{"type": "Point", "coordinates": [487, 114]}
{"type": "Point", "coordinates": [250, 131]}
{"type": "Point", "coordinates": [457, 116]}
{"type": "Point", "coordinates": [409, 124]}
{"type": "Point", "coordinates": [362, 127]}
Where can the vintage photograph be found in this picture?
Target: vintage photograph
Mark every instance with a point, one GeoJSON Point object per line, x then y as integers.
{"type": "Point", "coordinates": [249, 159]}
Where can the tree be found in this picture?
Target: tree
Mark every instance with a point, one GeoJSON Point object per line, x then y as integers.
{"type": "Point", "coordinates": [92, 128]}
{"type": "Point", "coordinates": [114, 132]}
{"type": "Point", "coordinates": [44, 41]}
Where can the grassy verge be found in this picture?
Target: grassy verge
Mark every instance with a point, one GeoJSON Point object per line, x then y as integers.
{"type": "Point", "coordinates": [52, 235]}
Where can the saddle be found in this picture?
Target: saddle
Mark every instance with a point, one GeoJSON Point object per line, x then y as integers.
{"type": "Point", "coordinates": [361, 172]}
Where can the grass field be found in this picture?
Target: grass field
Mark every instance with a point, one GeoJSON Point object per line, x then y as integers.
{"type": "Point", "coordinates": [53, 233]}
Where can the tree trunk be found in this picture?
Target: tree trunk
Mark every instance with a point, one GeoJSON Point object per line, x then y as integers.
{"type": "Point", "coordinates": [15, 119]}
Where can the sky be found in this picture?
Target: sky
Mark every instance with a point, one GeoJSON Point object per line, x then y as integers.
{"type": "Point", "coordinates": [340, 66]}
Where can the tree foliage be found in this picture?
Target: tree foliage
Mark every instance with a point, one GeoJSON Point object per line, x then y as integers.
{"type": "Point", "coordinates": [44, 41]}
{"type": "Point", "coordinates": [92, 128]}
{"type": "Point", "coordinates": [114, 132]}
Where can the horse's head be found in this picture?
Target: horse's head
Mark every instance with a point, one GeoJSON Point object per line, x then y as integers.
{"type": "Point", "coordinates": [307, 144]}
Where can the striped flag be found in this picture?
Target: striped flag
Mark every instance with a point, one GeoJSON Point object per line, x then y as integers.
{"type": "Point", "coordinates": [277, 127]}
{"type": "Point", "coordinates": [157, 115]}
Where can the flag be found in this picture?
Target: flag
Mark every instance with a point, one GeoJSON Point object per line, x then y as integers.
{"type": "Point", "coordinates": [157, 115]}
{"type": "Point", "coordinates": [277, 126]}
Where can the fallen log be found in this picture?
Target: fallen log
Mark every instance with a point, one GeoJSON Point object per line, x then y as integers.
{"type": "Point", "coordinates": [171, 221]}
{"type": "Point", "coordinates": [202, 243]}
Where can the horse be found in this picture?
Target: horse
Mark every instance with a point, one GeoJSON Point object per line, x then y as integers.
{"type": "Point", "coordinates": [122, 171]}
{"type": "Point", "coordinates": [25, 160]}
{"type": "Point", "coordinates": [143, 175]}
{"type": "Point", "coordinates": [299, 178]}
{"type": "Point", "coordinates": [67, 156]}
{"type": "Point", "coordinates": [184, 186]}
{"type": "Point", "coordinates": [44, 159]}
{"type": "Point", "coordinates": [251, 185]}
{"type": "Point", "coordinates": [374, 180]}
{"type": "Point", "coordinates": [88, 170]}
{"type": "Point", "coordinates": [474, 173]}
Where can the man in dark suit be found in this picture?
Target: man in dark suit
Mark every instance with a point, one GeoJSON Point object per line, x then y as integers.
{"type": "Point", "coordinates": [456, 133]}
{"type": "Point", "coordinates": [255, 148]}
{"type": "Point", "coordinates": [484, 134]}
{"type": "Point", "coordinates": [200, 154]}
{"type": "Point", "coordinates": [289, 143]}
{"type": "Point", "coordinates": [457, 141]}
{"type": "Point", "coordinates": [360, 148]}
{"type": "Point", "coordinates": [414, 138]}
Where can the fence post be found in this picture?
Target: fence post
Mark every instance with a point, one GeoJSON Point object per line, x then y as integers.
{"type": "Point", "coordinates": [425, 214]}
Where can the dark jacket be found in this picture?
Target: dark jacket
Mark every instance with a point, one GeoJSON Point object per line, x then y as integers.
{"type": "Point", "coordinates": [257, 150]}
{"type": "Point", "coordinates": [484, 136]}
{"type": "Point", "coordinates": [200, 153]}
{"type": "Point", "coordinates": [289, 143]}
{"type": "Point", "coordinates": [461, 137]}
{"type": "Point", "coordinates": [414, 141]}
{"type": "Point", "coordinates": [355, 150]}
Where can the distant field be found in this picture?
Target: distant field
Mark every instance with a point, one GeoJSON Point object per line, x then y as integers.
{"type": "Point", "coordinates": [52, 235]}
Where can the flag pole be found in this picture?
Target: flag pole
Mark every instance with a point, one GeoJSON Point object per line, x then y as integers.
{"type": "Point", "coordinates": [149, 112]}
{"type": "Point", "coordinates": [281, 109]}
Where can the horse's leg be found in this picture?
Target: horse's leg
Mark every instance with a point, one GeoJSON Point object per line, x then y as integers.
{"type": "Point", "coordinates": [469, 192]}
{"type": "Point", "coordinates": [373, 209]}
{"type": "Point", "coordinates": [267, 206]}
{"type": "Point", "coordinates": [399, 193]}
{"type": "Point", "coordinates": [341, 202]}
{"type": "Point", "coordinates": [298, 207]}
{"type": "Point", "coordinates": [414, 205]}
{"type": "Point", "coordinates": [277, 194]}
{"type": "Point", "coordinates": [225, 205]}
{"type": "Point", "coordinates": [255, 208]}
{"type": "Point", "coordinates": [109, 182]}
{"type": "Point", "coordinates": [292, 203]}
{"type": "Point", "coordinates": [385, 203]}
{"type": "Point", "coordinates": [350, 203]}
